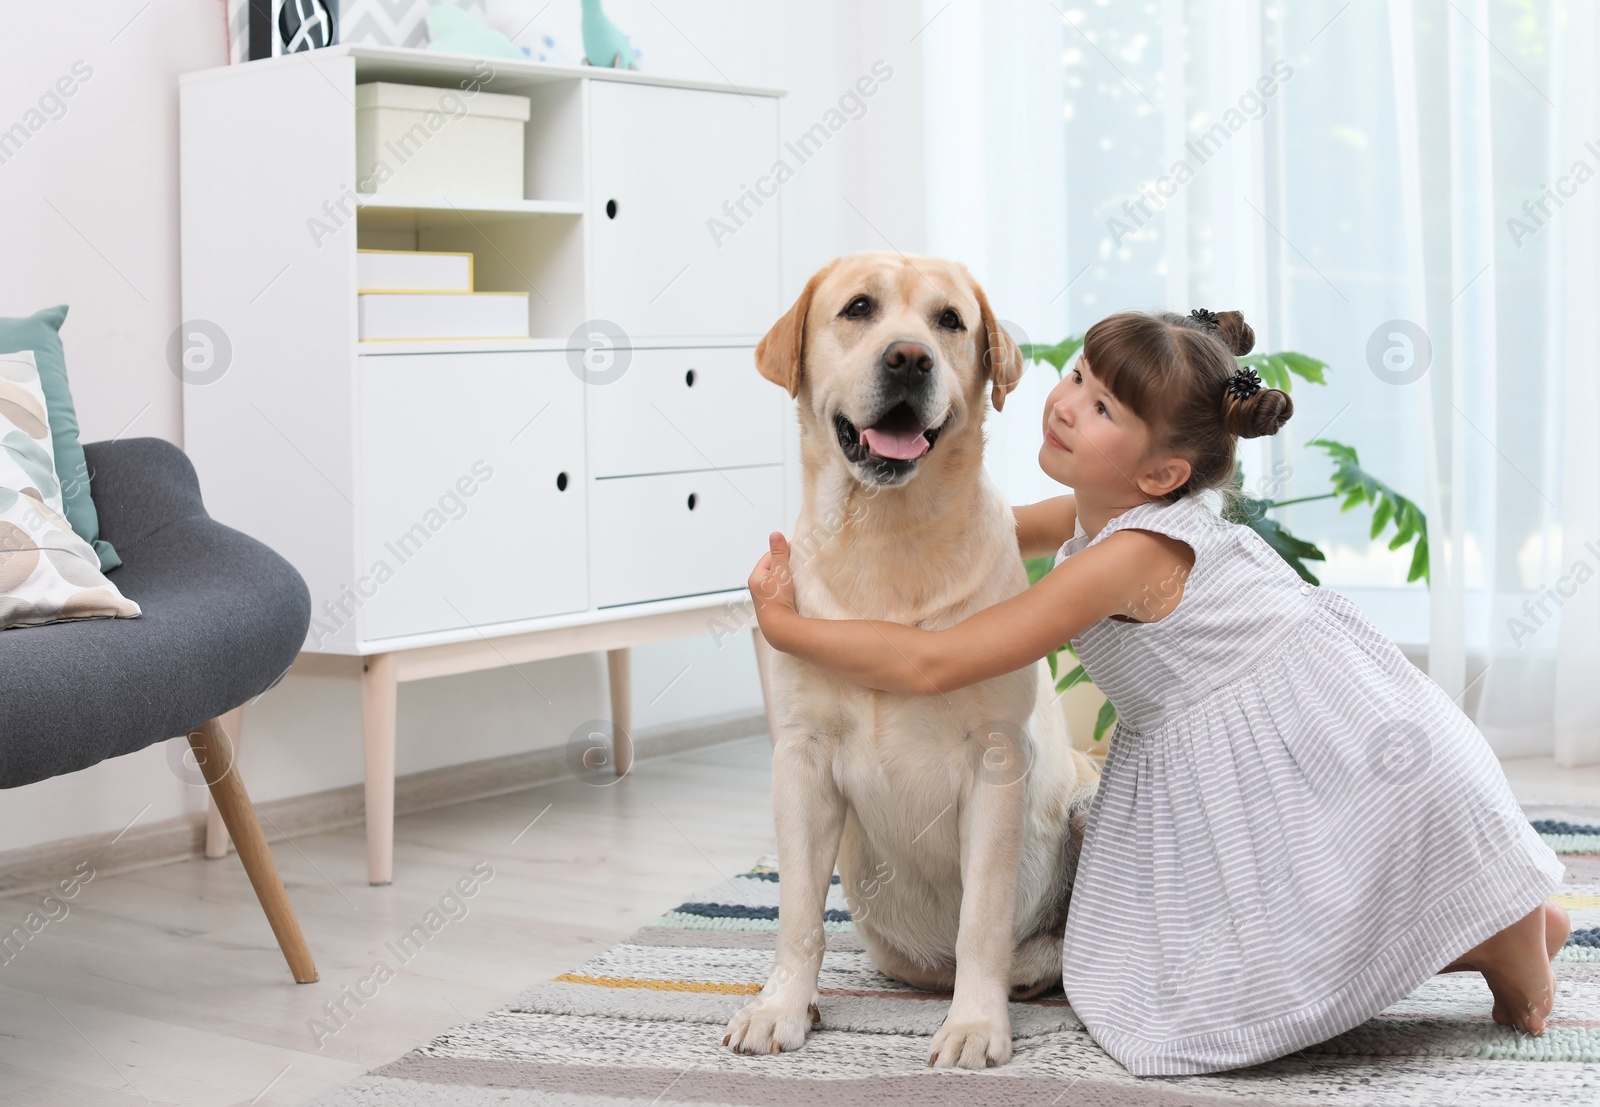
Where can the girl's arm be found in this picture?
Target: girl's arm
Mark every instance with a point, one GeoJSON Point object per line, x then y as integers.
{"type": "Point", "coordinates": [1132, 571]}
{"type": "Point", "coordinates": [1044, 527]}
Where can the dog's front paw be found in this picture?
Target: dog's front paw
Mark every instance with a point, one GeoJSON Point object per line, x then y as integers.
{"type": "Point", "coordinates": [767, 1025]}
{"type": "Point", "coordinates": [972, 1041]}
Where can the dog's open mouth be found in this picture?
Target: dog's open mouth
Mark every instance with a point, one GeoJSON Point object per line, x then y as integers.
{"type": "Point", "coordinates": [897, 436]}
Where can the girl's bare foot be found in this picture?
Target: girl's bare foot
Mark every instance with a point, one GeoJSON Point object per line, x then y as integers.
{"type": "Point", "coordinates": [1515, 963]}
{"type": "Point", "coordinates": [1557, 928]}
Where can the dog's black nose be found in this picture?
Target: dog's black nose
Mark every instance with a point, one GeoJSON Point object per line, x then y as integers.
{"type": "Point", "coordinates": [910, 362]}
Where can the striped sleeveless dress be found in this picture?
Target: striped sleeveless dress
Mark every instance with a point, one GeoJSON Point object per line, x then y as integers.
{"type": "Point", "coordinates": [1294, 827]}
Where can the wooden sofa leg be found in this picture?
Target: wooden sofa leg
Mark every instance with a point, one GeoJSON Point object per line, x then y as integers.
{"type": "Point", "coordinates": [216, 834]}
{"type": "Point", "coordinates": [214, 753]}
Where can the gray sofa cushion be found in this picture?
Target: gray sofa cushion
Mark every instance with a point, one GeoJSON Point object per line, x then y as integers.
{"type": "Point", "coordinates": [223, 619]}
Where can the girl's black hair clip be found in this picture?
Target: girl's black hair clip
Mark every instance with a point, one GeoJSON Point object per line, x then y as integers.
{"type": "Point", "coordinates": [1244, 383]}
{"type": "Point", "coordinates": [1205, 317]}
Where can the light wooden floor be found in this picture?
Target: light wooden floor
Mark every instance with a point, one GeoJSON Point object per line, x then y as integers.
{"type": "Point", "coordinates": [165, 987]}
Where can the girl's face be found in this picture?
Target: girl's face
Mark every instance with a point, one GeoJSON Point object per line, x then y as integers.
{"type": "Point", "coordinates": [1092, 441]}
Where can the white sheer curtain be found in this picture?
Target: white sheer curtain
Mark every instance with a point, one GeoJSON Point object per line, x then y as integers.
{"type": "Point", "coordinates": [1500, 114]}
{"type": "Point", "coordinates": [1344, 173]}
{"type": "Point", "coordinates": [1576, 711]}
{"type": "Point", "coordinates": [994, 177]}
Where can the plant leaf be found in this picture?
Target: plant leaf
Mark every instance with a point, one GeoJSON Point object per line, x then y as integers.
{"type": "Point", "coordinates": [1278, 376]}
{"type": "Point", "coordinates": [1304, 366]}
{"type": "Point", "coordinates": [1057, 355]}
{"type": "Point", "coordinates": [1405, 527]}
{"type": "Point", "coordinates": [1358, 486]}
{"type": "Point", "coordinates": [1337, 450]}
{"type": "Point", "coordinates": [1381, 516]}
{"type": "Point", "coordinates": [1037, 567]}
{"type": "Point", "coordinates": [1103, 721]}
{"type": "Point", "coordinates": [1419, 561]}
{"type": "Point", "coordinates": [1295, 551]}
{"type": "Point", "coordinates": [1073, 679]}
{"type": "Point", "coordinates": [1252, 512]}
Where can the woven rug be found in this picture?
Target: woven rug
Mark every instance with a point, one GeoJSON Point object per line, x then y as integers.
{"type": "Point", "coordinates": [642, 1024]}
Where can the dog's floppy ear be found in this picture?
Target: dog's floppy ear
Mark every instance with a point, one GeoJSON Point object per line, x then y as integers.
{"type": "Point", "coordinates": [782, 350]}
{"type": "Point", "coordinates": [1002, 360]}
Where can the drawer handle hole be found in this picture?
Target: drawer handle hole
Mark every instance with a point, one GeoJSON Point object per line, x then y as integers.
{"type": "Point", "coordinates": [561, 482]}
{"type": "Point", "coordinates": [692, 498]}
{"type": "Point", "coordinates": [611, 209]}
{"type": "Point", "coordinates": [688, 378]}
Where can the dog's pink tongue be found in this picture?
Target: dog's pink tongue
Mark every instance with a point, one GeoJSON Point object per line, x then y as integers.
{"type": "Point", "coordinates": [902, 447]}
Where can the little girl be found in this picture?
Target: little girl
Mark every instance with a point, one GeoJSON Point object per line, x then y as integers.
{"type": "Point", "coordinates": [1295, 827]}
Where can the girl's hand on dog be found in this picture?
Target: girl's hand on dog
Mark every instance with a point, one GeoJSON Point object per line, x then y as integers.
{"type": "Point", "coordinates": [772, 585]}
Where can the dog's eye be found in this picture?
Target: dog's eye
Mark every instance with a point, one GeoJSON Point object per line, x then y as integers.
{"type": "Point", "coordinates": [950, 320]}
{"type": "Point", "coordinates": [859, 308]}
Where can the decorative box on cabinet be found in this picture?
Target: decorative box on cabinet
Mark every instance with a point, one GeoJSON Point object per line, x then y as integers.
{"type": "Point", "coordinates": [456, 505]}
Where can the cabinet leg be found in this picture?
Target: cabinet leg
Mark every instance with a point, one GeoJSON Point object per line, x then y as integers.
{"type": "Point", "coordinates": [378, 693]}
{"type": "Point", "coordinates": [764, 652]}
{"type": "Point", "coordinates": [217, 840]}
{"type": "Point", "coordinates": [618, 670]}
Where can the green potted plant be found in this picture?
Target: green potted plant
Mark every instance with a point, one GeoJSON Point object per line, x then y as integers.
{"type": "Point", "coordinates": [1352, 484]}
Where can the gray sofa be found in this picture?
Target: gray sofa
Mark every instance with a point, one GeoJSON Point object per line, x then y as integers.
{"type": "Point", "coordinates": [223, 618]}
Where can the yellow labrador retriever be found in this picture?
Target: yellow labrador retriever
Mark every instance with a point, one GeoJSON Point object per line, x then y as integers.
{"type": "Point", "coordinates": [955, 819]}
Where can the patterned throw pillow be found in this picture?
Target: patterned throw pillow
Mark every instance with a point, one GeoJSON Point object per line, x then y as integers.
{"type": "Point", "coordinates": [47, 573]}
{"type": "Point", "coordinates": [27, 463]}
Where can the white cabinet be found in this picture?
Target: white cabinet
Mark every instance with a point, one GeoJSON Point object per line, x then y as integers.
{"type": "Point", "coordinates": [472, 491]}
{"type": "Point", "coordinates": [670, 169]}
{"type": "Point", "coordinates": [440, 493]}
{"type": "Point", "coordinates": [462, 505]}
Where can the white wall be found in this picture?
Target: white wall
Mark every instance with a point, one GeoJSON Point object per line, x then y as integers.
{"type": "Point", "coordinates": [88, 216]}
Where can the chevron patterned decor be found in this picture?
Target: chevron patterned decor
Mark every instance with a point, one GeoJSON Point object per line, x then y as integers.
{"type": "Point", "coordinates": [374, 22]}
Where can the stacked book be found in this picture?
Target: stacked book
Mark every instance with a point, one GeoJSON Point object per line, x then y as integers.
{"type": "Point", "coordinates": [417, 295]}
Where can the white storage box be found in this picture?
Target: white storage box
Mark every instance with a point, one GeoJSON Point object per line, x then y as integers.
{"type": "Point", "coordinates": [412, 271]}
{"type": "Point", "coordinates": [413, 140]}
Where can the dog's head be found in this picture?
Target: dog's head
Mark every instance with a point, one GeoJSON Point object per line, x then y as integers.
{"type": "Point", "coordinates": [889, 354]}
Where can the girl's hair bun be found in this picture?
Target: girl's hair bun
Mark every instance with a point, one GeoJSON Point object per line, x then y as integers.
{"type": "Point", "coordinates": [1261, 413]}
{"type": "Point", "coordinates": [1235, 333]}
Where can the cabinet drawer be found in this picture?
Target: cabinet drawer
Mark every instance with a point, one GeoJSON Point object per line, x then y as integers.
{"type": "Point", "coordinates": [679, 245]}
{"type": "Point", "coordinates": [473, 488]}
{"type": "Point", "coordinates": [684, 409]}
{"type": "Point", "coordinates": [649, 543]}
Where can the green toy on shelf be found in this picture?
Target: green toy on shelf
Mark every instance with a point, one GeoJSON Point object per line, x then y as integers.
{"type": "Point", "coordinates": [603, 43]}
{"type": "Point", "coordinates": [458, 32]}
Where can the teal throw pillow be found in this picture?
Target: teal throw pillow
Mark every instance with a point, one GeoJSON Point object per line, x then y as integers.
{"type": "Point", "coordinates": [41, 333]}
